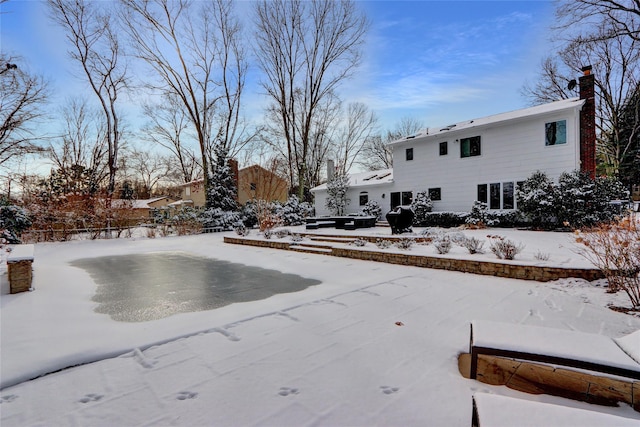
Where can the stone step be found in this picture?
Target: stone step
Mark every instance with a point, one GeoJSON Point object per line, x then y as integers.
{"type": "Point", "coordinates": [331, 239]}
{"type": "Point", "coordinates": [315, 249]}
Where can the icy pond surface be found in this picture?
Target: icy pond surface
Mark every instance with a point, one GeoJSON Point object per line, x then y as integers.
{"type": "Point", "coordinates": [142, 287]}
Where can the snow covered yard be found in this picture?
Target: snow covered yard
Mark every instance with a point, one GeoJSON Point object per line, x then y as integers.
{"type": "Point", "coordinates": [373, 344]}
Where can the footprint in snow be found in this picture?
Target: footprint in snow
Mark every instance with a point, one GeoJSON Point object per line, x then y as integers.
{"type": "Point", "coordinates": [91, 397]}
{"type": "Point", "coordinates": [287, 391]}
{"type": "Point", "coordinates": [184, 395]}
{"type": "Point", "coordinates": [389, 390]}
{"type": "Point", "coordinates": [8, 399]}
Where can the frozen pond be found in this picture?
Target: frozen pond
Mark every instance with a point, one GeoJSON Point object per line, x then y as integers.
{"type": "Point", "coordinates": [142, 287]}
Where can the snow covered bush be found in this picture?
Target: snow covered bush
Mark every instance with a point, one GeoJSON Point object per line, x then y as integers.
{"type": "Point", "coordinates": [295, 237]}
{"type": "Point", "coordinates": [505, 248]}
{"type": "Point", "coordinates": [248, 214]}
{"type": "Point", "coordinates": [614, 249]}
{"type": "Point", "coordinates": [536, 200]}
{"type": "Point", "coordinates": [216, 218]}
{"type": "Point", "coordinates": [473, 245]}
{"type": "Point", "coordinates": [337, 188]}
{"type": "Point", "coordinates": [266, 215]}
{"type": "Point", "coordinates": [478, 217]}
{"type": "Point", "coordinates": [13, 221]}
{"type": "Point", "coordinates": [443, 245]}
{"type": "Point", "coordinates": [405, 243]}
{"type": "Point", "coordinates": [445, 219]}
{"type": "Point", "coordinates": [542, 256]}
{"type": "Point", "coordinates": [293, 212]}
{"type": "Point", "coordinates": [383, 243]}
{"type": "Point", "coordinates": [282, 233]}
{"type": "Point", "coordinates": [372, 208]}
{"type": "Point", "coordinates": [421, 206]}
{"type": "Point", "coordinates": [186, 221]}
{"type": "Point", "coordinates": [242, 230]}
{"type": "Point", "coordinates": [358, 242]}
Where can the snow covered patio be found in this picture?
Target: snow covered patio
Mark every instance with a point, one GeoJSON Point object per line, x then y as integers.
{"type": "Point", "coordinates": [373, 344]}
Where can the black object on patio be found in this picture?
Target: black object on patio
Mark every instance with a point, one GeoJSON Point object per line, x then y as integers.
{"type": "Point", "coordinates": [400, 220]}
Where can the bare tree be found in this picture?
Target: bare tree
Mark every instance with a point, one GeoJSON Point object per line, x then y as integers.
{"type": "Point", "coordinates": [623, 17]}
{"type": "Point", "coordinates": [96, 48]}
{"type": "Point", "coordinates": [616, 67]}
{"type": "Point", "coordinates": [358, 129]}
{"type": "Point", "coordinates": [22, 96]}
{"type": "Point", "coordinates": [149, 168]}
{"type": "Point", "coordinates": [83, 141]}
{"type": "Point", "coordinates": [196, 52]}
{"type": "Point", "coordinates": [167, 128]}
{"type": "Point", "coordinates": [375, 153]}
{"type": "Point", "coordinates": [305, 50]}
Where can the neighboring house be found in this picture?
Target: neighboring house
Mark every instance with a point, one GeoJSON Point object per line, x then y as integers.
{"type": "Point", "coordinates": [363, 187]}
{"type": "Point", "coordinates": [141, 209]}
{"type": "Point", "coordinates": [254, 182]}
{"type": "Point", "coordinates": [485, 159]}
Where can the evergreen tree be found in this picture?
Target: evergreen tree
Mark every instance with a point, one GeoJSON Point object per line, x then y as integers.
{"type": "Point", "coordinates": [536, 200]}
{"type": "Point", "coordinates": [223, 189]}
{"type": "Point", "coordinates": [629, 170]}
{"type": "Point", "coordinates": [337, 188]}
{"type": "Point", "coordinates": [13, 221]}
{"type": "Point", "coordinates": [421, 206]}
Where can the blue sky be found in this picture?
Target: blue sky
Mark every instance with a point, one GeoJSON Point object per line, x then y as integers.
{"type": "Point", "coordinates": [437, 61]}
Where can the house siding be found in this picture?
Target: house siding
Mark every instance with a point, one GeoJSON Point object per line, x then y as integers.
{"type": "Point", "coordinates": [378, 193]}
{"type": "Point", "coordinates": [510, 152]}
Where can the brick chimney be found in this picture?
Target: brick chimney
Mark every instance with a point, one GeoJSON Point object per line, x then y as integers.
{"type": "Point", "coordinates": [233, 165]}
{"type": "Point", "coordinates": [588, 123]}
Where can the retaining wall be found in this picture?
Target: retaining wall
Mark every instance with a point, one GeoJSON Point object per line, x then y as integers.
{"type": "Point", "coordinates": [498, 269]}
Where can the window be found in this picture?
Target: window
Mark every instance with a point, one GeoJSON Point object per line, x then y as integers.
{"type": "Point", "coordinates": [443, 148]}
{"type": "Point", "coordinates": [187, 190]}
{"type": "Point", "coordinates": [253, 186]}
{"type": "Point", "coordinates": [555, 133]}
{"type": "Point", "coordinates": [494, 196]}
{"type": "Point", "coordinates": [482, 193]}
{"type": "Point", "coordinates": [507, 195]}
{"type": "Point", "coordinates": [364, 198]}
{"type": "Point", "coordinates": [435, 194]}
{"type": "Point", "coordinates": [470, 147]}
{"type": "Point", "coordinates": [407, 198]}
{"type": "Point", "coordinates": [409, 154]}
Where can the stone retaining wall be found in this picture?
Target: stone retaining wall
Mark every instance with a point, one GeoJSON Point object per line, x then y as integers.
{"type": "Point", "coordinates": [498, 269]}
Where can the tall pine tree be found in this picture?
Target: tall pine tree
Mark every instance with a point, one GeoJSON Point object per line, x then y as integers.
{"type": "Point", "coordinates": [223, 189]}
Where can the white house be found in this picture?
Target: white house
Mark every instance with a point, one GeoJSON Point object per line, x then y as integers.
{"type": "Point", "coordinates": [484, 159]}
{"type": "Point", "coordinates": [363, 187]}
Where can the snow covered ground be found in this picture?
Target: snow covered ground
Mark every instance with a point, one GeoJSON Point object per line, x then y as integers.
{"type": "Point", "coordinates": [373, 344]}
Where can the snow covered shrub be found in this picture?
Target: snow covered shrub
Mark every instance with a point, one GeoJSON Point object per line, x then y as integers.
{"type": "Point", "coordinates": [443, 245]}
{"type": "Point", "coordinates": [542, 256]}
{"type": "Point", "coordinates": [151, 232]}
{"type": "Point", "coordinates": [473, 245]}
{"type": "Point", "coordinates": [421, 206]}
{"type": "Point", "coordinates": [337, 188]}
{"type": "Point", "coordinates": [505, 248]}
{"type": "Point", "coordinates": [242, 230]}
{"type": "Point", "coordinates": [445, 219]}
{"type": "Point", "coordinates": [478, 216]}
{"type": "Point", "coordinates": [295, 237]}
{"type": "Point", "coordinates": [268, 233]}
{"type": "Point", "coordinates": [372, 208]}
{"type": "Point", "coordinates": [383, 243]}
{"type": "Point", "coordinates": [293, 212]}
{"type": "Point", "coordinates": [505, 219]}
{"type": "Point", "coordinates": [186, 221]}
{"type": "Point", "coordinates": [248, 214]}
{"type": "Point", "coordinates": [216, 218]}
{"type": "Point", "coordinates": [456, 237]}
{"type": "Point", "coordinates": [282, 233]}
{"type": "Point", "coordinates": [614, 249]}
{"type": "Point", "coordinates": [584, 202]}
{"type": "Point", "coordinates": [536, 200]}
{"type": "Point", "coordinates": [405, 243]}
{"type": "Point", "coordinates": [359, 242]}
{"type": "Point", "coordinates": [266, 215]}
{"type": "Point", "coordinates": [13, 221]}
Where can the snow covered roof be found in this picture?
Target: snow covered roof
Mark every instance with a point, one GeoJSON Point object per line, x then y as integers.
{"type": "Point", "coordinates": [135, 204]}
{"type": "Point", "coordinates": [552, 107]}
{"type": "Point", "coordinates": [365, 179]}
